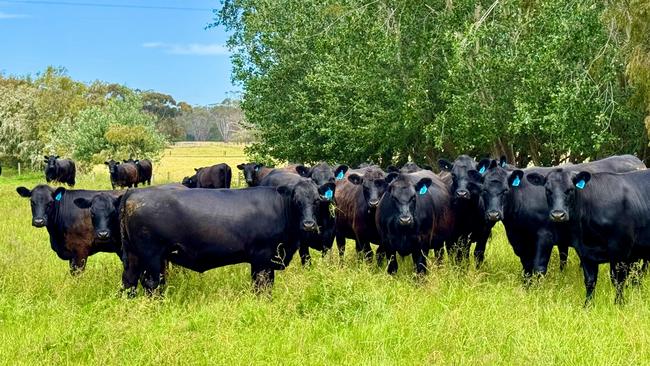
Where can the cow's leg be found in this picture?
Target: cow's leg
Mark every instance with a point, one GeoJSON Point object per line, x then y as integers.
{"type": "Point", "coordinates": [590, 271]}
{"type": "Point", "coordinates": [131, 274]}
{"type": "Point", "coordinates": [564, 254]}
{"type": "Point", "coordinates": [392, 262]}
{"type": "Point", "coordinates": [619, 272]}
{"type": "Point", "coordinates": [113, 185]}
{"type": "Point", "coordinates": [420, 262]}
{"type": "Point", "coordinates": [263, 278]}
{"type": "Point", "coordinates": [305, 258]}
{"type": "Point", "coordinates": [340, 244]}
{"type": "Point", "coordinates": [363, 249]}
{"type": "Point", "coordinates": [152, 274]}
{"type": "Point", "coordinates": [479, 250]}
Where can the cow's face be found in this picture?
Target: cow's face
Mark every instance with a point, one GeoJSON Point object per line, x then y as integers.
{"type": "Point", "coordinates": [50, 162]}
{"type": "Point", "coordinates": [112, 166]}
{"type": "Point", "coordinates": [496, 185]}
{"type": "Point", "coordinates": [307, 199]}
{"type": "Point", "coordinates": [104, 214]}
{"type": "Point", "coordinates": [322, 173]}
{"type": "Point", "coordinates": [250, 171]}
{"type": "Point", "coordinates": [373, 185]}
{"type": "Point", "coordinates": [190, 182]}
{"type": "Point", "coordinates": [403, 193]}
{"type": "Point", "coordinates": [560, 186]}
{"type": "Point", "coordinates": [464, 184]}
{"type": "Point", "coordinates": [42, 199]}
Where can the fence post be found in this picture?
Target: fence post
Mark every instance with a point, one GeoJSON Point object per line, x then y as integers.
{"type": "Point", "coordinates": [18, 168]}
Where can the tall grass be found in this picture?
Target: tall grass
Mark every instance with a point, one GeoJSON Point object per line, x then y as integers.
{"type": "Point", "coordinates": [331, 313]}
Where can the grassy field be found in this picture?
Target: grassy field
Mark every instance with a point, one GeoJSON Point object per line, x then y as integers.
{"type": "Point", "coordinates": [330, 313]}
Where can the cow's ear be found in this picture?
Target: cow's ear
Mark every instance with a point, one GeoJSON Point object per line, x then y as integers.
{"type": "Point", "coordinates": [24, 192]}
{"type": "Point", "coordinates": [106, 162]}
{"type": "Point", "coordinates": [392, 169]}
{"type": "Point", "coordinates": [391, 177]}
{"type": "Point", "coordinates": [284, 190]}
{"type": "Point", "coordinates": [483, 165]}
{"type": "Point", "coordinates": [536, 179]}
{"type": "Point", "coordinates": [340, 171]}
{"type": "Point", "coordinates": [303, 170]}
{"type": "Point", "coordinates": [82, 202]}
{"type": "Point", "coordinates": [137, 161]}
{"type": "Point", "coordinates": [240, 166]}
{"type": "Point", "coordinates": [327, 190]}
{"type": "Point", "coordinates": [580, 179]}
{"type": "Point", "coordinates": [475, 175]}
{"type": "Point", "coordinates": [514, 180]}
{"type": "Point", "coordinates": [46, 157]}
{"type": "Point", "coordinates": [503, 161]}
{"type": "Point", "coordinates": [422, 186]}
{"type": "Point", "coordinates": [58, 194]}
{"type": "Point", "coordinates": [56, 157]}
{"type": "Point", "coordinates": [445, 165]}
{"type": "Point", "coordinates": [355, 178]}
{"type": "Point", "coordinates": [427, 167]}
{"type": "Point", "coordinates": [116, 202]}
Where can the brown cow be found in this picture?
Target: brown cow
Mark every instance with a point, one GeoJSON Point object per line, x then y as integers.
{"type": "Point", "coordinates": [216, 176]}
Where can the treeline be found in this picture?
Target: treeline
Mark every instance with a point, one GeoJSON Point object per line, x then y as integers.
{"type": "Point", "coordinates": [393, 80]}
{"type": "Point", "coordinates": [51, 113]}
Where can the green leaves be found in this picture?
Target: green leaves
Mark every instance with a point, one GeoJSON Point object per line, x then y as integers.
{"type": "Point", "coordinates": [391, 81]}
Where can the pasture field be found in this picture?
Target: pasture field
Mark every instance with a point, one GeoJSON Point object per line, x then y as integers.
{"type": "Point", "coordinates": [331, 313]}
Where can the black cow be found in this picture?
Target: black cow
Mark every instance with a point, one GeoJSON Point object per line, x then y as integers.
{"type": "Point", "coordinates": [608, 215]}
{"type": "Point", "coordinates": [216, 176]}
{"type": "Point", "coordinates": [145, 169]}
{"type": "Point", "coordinates": [468, 207]}
{"type": "Point", "coordinates": [202, 229]}
{"type": "Point", "coordinates": [322, 173]}
{"type": "Point", "coordinates": [60, 170]}
{"type": "Point", "coordinates": [523, 209]}
{"type": "Point", "coordinates": [71, 231]}
{"type": "Point", "coordinates": [413, 216]}
{"type": "Point", "coordinates": [357, 198]}
{"type": "Point", "coordinates": [122, 175]}
{"type": "Point", "coordinates": [322, 238]}
{"type": "Point", "coordinates": [254, 172]}
{"type": "Point", "coordinates": [409, 167]}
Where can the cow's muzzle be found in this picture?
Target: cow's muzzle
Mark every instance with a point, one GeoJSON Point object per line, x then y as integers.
{"type": "Point", "coordinates": [38, 222]}
{"type": "Point", "coordinates": [309, 225]}
{"type": "Point", "coordinates": [406, 220]}
{"type": "Point", "coordinates": [373, 202]}
{"type": "Point", "coordinates": [493, 216]}
{"type": "Point", "coordinates": [559, 216]}
{"type": "Point", "coordinates": [103, 234]}
{"type": "Point", "coordinates": [462, 193]}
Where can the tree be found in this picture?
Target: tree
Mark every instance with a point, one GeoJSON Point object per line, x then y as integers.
{"type": "Point", "coordinates": [390, 81]}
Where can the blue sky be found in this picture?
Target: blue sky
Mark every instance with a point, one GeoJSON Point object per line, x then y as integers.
{"type": "Point", "coordinates": [164, 50]}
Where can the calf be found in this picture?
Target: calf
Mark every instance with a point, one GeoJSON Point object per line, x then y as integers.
{"type": "Point", "coordinates": [216, 176]}
{"type": "Point", "coordinates": [71, 231]}
{"type": "Point", "coordinates": [413, 216]}
{"type": "Point", "coordinates": [202, 229]}
{"type": "Point", "coordinates": [468, 208]}
{"type": "Point", "coordinates": [60, 170]}
{"type": "Point", "coordinates": [357, 197]}
{"type": "Point", "coordinates": [522, 207]}
{"type": "Point", "coordinates": [322, 238]}
{"type": "Point", "coordinates": [122, 175]}
{"type": "Point", "coordinates": [608, 216]}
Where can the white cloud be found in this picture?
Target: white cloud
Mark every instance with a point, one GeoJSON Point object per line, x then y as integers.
{"type": "Point", "coordinates": [4, 15]}
{"type": "Point", "coordinates": [200, 49]}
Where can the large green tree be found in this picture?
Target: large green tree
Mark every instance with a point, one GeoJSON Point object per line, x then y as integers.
{"type": "Point", "coordinates": [388, 81]}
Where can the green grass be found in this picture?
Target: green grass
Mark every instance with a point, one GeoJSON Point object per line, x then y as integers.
{"type": "Point", "coordinates": [331, 313]}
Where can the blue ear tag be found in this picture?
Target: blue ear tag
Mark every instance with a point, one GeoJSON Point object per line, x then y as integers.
{"type": "Point", "coordinates": [482, 170]}
{"type": "Point", "coordinates": [423, 190]}
{"type": "Point", "coordinates": [257, 168]}
{"type": "Point", "coordinates": [59, 195]}
{"type": "Point", "coordinates": [340, 175]}
{"type": "Point", "coordinates": [329, 193]}
{"type": "Point", "coordinates": [581, 184]}
{"type": "Point", "coordinates": [516, 182]}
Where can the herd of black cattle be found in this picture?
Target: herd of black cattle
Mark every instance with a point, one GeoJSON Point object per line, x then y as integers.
{"type": "Point", "coordinates": [600, 208]}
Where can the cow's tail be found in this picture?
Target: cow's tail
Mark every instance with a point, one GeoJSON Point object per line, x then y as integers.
{"type": "Point", "coordinates": [228, 176]}
{"type": "Point", "coordinates": [124, 229]}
